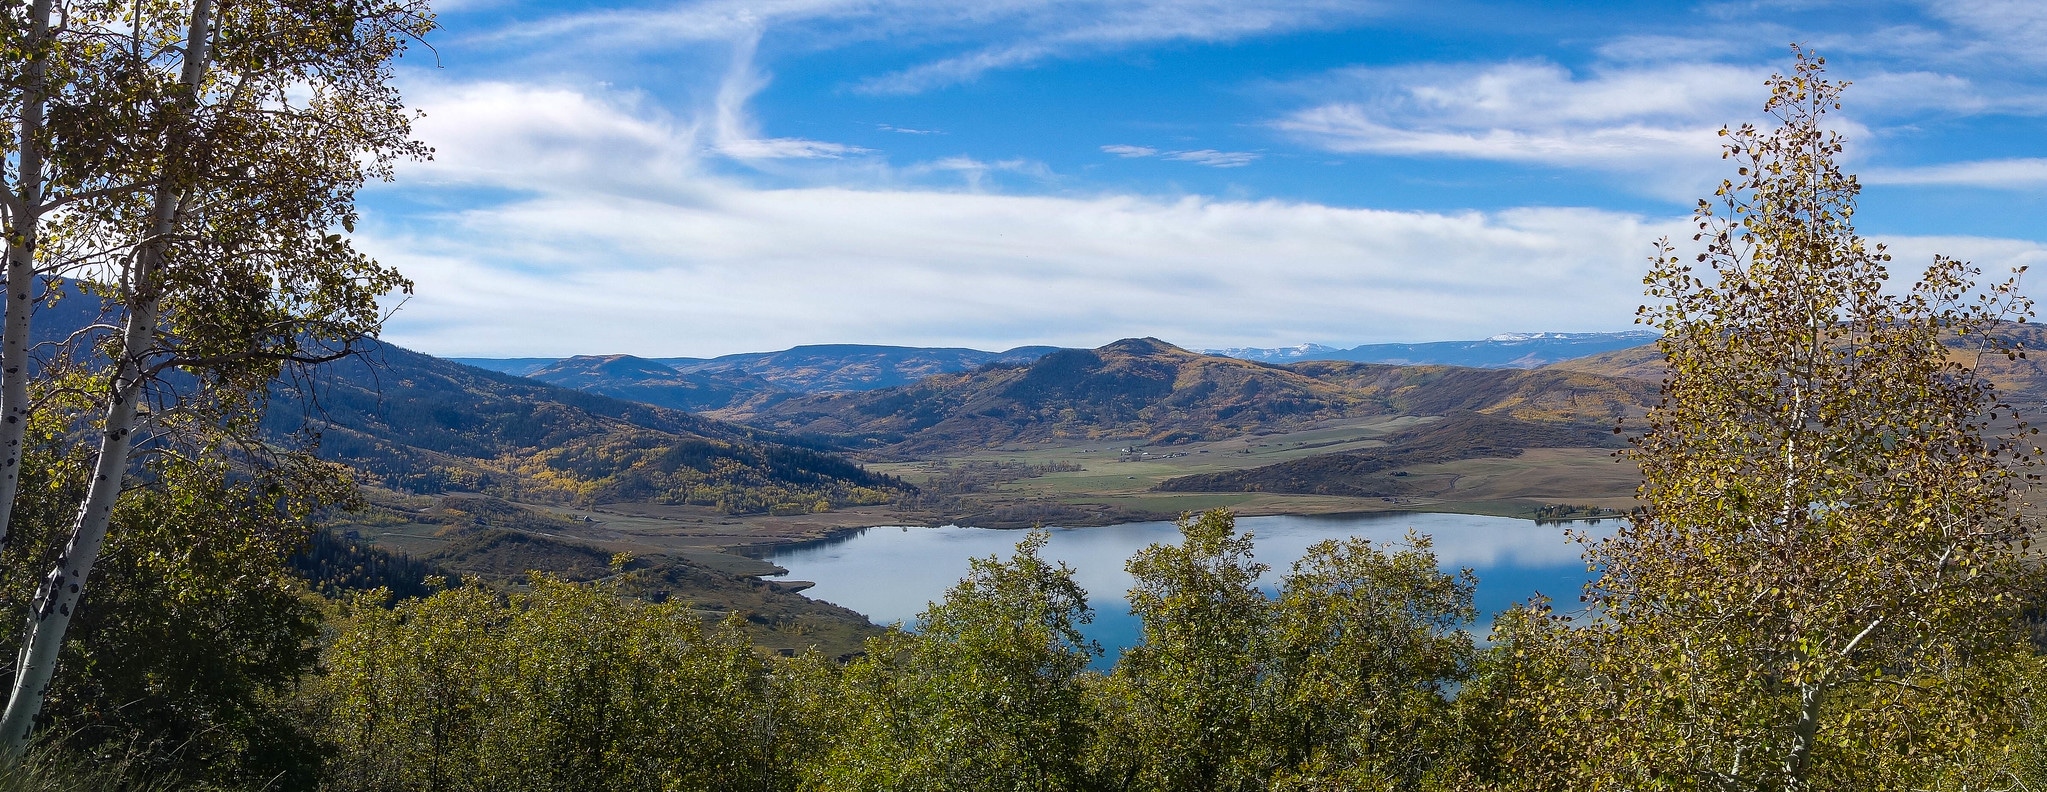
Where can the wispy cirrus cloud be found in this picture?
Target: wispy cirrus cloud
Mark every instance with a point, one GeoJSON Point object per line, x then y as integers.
{"type": "Point", "coordinates": [983, 35]}
{"type": "Point", "coordinates": [2005, 29]}
{"type": "Point", "coordinates": [2010, 174]}
{"type": "Point", "coordinates": [1209, 157]}
{"type": "Point", "coordinates": [737, 136]}
{"type": "Point", "coordinates": [1531, 111]}
{"type": "Point", "coordinates": [1213, 158]}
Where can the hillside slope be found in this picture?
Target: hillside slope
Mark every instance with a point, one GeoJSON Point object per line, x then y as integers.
{"type": "Point", "coordinates": [818, 368]}
{"type": "Point", "coordinates": [2021, 381]}
{"type": "Point", "coordinates": [1151, 391]}
{"type": "Point", "coordinates": [840, 368]}
{"type": "Point", "coordinates": [1381, 472]}
{"type": "Point", "coordinates": [420, 424]}
{"type": "Point", "coordinates": [648, 382]}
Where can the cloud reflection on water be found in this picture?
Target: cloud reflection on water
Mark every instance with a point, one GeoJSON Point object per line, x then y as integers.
{"type": "Point", "coordinates": [891, 574]}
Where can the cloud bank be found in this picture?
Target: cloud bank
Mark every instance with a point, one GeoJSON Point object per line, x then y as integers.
{"type": "Point", "coordinates": [610, 237]}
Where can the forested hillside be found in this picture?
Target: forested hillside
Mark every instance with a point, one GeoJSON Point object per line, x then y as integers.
{"type": "Point", "coordinates": [733, 380]}
{"type": "Point", "coordinates": [649, 382]}
{"type": "Point", "coordinates": [836, 368]}
{"type": "Point", "coordinates": [415, 423]}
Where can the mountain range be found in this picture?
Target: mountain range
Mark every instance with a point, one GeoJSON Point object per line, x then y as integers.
{"type": "Point", "coordinates": [835, 368]}
{"type": "Point", "coordinates": [767, 432]}
{"type": "Point", "coordinates": [1510, 350]}
{"type": "Point", "coordinates": [753, 383]}
{"type": "Point", "coordinates": [1150, 391]}
{"type": "Point", "coordinates": [830, 368]}
{"type": "Point", "coordinates": [713, 383]}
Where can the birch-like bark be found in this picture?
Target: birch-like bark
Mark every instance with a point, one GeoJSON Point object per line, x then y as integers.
{"type": "Point", "coordinates": [1804, 735]}
{"type": "Point", "coordinates": [58, 597]}
{"type": "Point", "coordinates": [22, 235]}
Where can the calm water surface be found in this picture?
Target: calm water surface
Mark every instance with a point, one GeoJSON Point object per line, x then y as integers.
{"type": "Point", "coordinates": [892, 574]}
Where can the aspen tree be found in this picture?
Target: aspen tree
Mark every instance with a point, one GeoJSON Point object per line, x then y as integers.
{"type": "Point", "coordinates": [62, 101]}
{"type": "Point", "coordinates": [1825, 584]}
{"type": "Point", "coordinates": [255, 121]}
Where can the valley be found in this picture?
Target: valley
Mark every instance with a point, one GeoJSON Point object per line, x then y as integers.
{"type": "Point", "coordinates": [699, 469]}
{"type": "Point", "coordinates": [484, 473]}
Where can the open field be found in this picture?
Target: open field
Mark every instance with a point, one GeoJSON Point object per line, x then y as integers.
{"type": "Point", "coordinates": [1123, 476]}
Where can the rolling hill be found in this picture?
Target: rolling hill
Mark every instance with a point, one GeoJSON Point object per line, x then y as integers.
{"type": "Point", "coordinates": [1381, 472]}
{"type": "Point", "coordinates": [2021, 381]}
{"type": "Point", "coordinates": [1150, 391]}
{"type": "Point", "coordinates": [415, 423]}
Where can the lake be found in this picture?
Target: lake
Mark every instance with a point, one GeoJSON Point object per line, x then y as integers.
{"type": "Point", "coordinates": [891, 574]}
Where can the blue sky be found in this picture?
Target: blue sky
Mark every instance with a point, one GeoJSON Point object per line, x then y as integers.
{"type": "Point", "coordinates": [700, 178]}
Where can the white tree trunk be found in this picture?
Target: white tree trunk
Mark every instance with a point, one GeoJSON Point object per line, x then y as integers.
{"type": "Point", "coordinates": [58, 597]}
{"type": "Point", "coordinates": [21, 265]}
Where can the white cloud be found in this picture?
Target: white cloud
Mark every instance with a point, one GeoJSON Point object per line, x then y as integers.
{"type": "Point", "coordinates": [615, 29]}
{"type": "Point", "coordinates": [615, 236]}
{"type": "Point", "coordinates": [1210, 157]}
{"type": "Point", "coordinates": [611, 238]}
{"type": "Point", "coordinates": [1650, 110]}
{"type": "Point", "coordinates": [2019, 173]}
{"type": "Point", "coordinates": [997, 34]}
{"type": "Point", "coordinates": [1660, 119]}
{"type": "Point", "coordinates": [1915, 94]}
{"type": "Point", "coordinates": [520, 136]}
{"type": "Point", "coordinates": [1656, 123]}
{"type": "Point", "coordinates": [2001, 29]}
{"type": "Point", "coordinates": [744, 269]}
{"type": "Point", "coordinates": [976, 172]}
{"type": "Point", "coordinates": [1667, 48]}
{"type": "Point", "coordinates": [957, 69]}
{"type": "Point", "coordinates": [738, 136]}
{"type": "Point", "coordinates": [1533, 112]}
{"type": "Point", "coordinates": [1352, 129]}
{"type": "Point", "coordinates": [1213, 158]}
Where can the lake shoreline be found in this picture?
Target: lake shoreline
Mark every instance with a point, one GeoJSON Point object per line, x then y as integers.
{"type": "Point", "coordinates": [761, 550]}
{"type": "Point", "coordinates": [890, 576]}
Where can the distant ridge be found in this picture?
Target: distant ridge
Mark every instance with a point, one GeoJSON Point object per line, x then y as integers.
{"type": "Point", "coordinates": [843, 368]}
{"type": "Point", "coordinates": [1507, 350]}
{"type": "Point", "coordinates": [650, 382]}
{"type": "Point", "coordinates": [813, 368]}
{"type": "Point", "coordinates": [517, 367]}
{"type": "Point", "coordinates": [752, 380]}
{"type": "Point", "coordinates": [1147, 390]}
